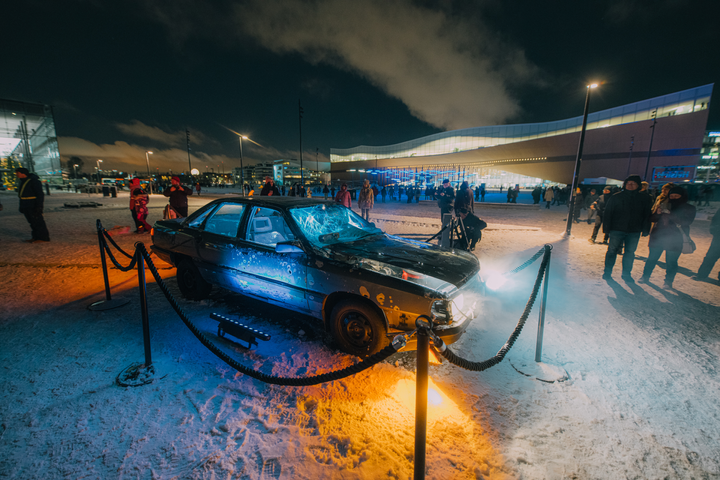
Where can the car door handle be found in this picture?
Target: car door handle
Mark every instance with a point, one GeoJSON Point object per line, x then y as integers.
{"type": "Point", "coordinates": [215, 246]}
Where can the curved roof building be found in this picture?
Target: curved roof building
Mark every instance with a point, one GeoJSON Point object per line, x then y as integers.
{"type": "Point", "coordinates": [651, 135]}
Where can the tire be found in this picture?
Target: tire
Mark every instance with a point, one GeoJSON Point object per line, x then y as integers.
{"type": "Point", "coordinates": [358, 329]}
{"type": "Point", "coordinates": [190, 282]}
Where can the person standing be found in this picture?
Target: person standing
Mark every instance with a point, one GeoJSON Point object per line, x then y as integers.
{"type": "Point", "coordinates": [482, 193]}
{"type": "Point", "coordinates": [138, 206]}
{"type": "Point", "coordinates": [446, 199]}
{"type": "Point", "coordinates": [536, 193]}
{"type": "Point", "coordinates": [343, 196]}
{"type": "Point", "coordinates": [672, 223]}
{"type": "Point", "coordinates": [509, 195]}
{"type": "Point", "coordinates": [549, 196]}
{"type": "Point", "coordinates": [178, 194]}
{"type": "Point", "coordinates": [626, 217]}
{"type": "Point", "coordinates": [32, 200]}
{"type": "Point", "coordinates": [599, 208]}
{"type": "Point", "coordinates": [366, 200]}
{"type": "Point", "coordinates": [269, 189]}
{"type": "Point", "coordinates": [464, 199]}
{"type": "Point", "coordinates": [589, 201]}
{"type": "Point", "coordinates": [713, 253]}
{"type": "Point", "coordinates": [578, 205]}
{"type": "Point", "coordinates": [383, 192]}
{"type": "Point", "coordinates": [198, 188]}
{"type": "Point", "coordinates": [326, 191]}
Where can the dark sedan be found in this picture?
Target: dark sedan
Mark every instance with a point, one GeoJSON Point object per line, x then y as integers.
{"type": "Point", "coordinates": [322, 259]}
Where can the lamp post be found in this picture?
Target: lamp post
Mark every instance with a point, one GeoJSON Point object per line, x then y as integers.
{"type": "Point", "coordinates": [75, 170]}
{"type": "Point", "coordinates": [97, 167]}
{"type": "Point", "coordinates": [242, 176]}
{"type": "Point", "coordinates": [578, 161]}
{"type": "Point", "coordinates": [147, 162]}
{"type": "Point", "coordinates": [652, 135]}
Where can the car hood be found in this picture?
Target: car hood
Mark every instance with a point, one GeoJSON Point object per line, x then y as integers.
{"type": "Point", "coordinates": [453, 267]}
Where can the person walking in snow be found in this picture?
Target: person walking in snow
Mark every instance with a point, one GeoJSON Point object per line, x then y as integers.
{"type": "Point", "coordinates": [32, 198]}
{"type": "Point", "coordinates": [589, 201]}
{"type": "Point", "coordinates": [627, 216]}
{"type": "Point", "coordinates": [464, 199]}
{"type": "Point", "coordinates": [549, 196]}
{"type": "Point", "coordinates": [599, 208]}
{"type": "Point", "coordinates": [713, 253]}
{"type": "Point", "coordinates": [138, 205]}
{"type": "Point", "coordinates": [178, 194]}
{"type": "Point", "coordinates": [672, 224]}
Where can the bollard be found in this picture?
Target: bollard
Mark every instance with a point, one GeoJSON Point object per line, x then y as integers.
{"type": "Point", "coordinates": [142, 286]}
{"type": "Point", "coordinates": [543, 304]}
{"type": "Point", "coordinates": [421, 393]}
{"type": "Point", "coordinates": [108, 303]}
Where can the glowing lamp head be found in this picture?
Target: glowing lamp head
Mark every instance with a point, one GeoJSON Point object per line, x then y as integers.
{"type": "Point", "coordinates": [593, 85]}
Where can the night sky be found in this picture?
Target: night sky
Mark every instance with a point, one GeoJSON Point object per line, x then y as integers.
{"type": "Point", "coordinates": [126, 77]}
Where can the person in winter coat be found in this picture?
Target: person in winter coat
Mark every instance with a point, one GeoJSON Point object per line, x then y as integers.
{"type": "Point", "coordinates": [549, 196]}
{"type": "Point", "coordinates": [198, 188]}
{"type": "Point", "coordinates": [473, 227]}
{"type": "Point", "coordinates": [509, 195]}
{"type": "Point", "coordinates": [366, 200]}
{"type": "Point", "coordinates": [598, 206]}
{"type": "Point", "coordinates": [32, 198]}
{"type": "Point", "coordinates": [578, 205]}
{"type": "Point", "coordinates": [589, 200]}
{"type": "Point", "coordinates": [626, 217]}
{"type": "Point", "coordinates": [464, 199]}
{"type": "Point", "coordinates": [537, 191]}
{"type": "Point", "coordinates": [667, 234]}
{"type": "Point", "coordinates": [446, 198]}
{"type": "Point", "coordinates": [713, 253]}
{"type": "Point", "coordinates": [138, 206]}
{"type": "Point", "coordinates": [269, 189]}
{"type": "Point", "coordinates": [326, 191]}
{"type": "Point", "coordinates": [343, 196]}
{"type": "Point", "coordinates": [178, 194]}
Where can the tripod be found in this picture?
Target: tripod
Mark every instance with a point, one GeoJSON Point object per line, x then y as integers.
{"type": "Point", "coordinates": [458, 234]}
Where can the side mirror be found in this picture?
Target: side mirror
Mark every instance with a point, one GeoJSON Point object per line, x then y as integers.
{"type": "Point", "coordinates": [288, 247]}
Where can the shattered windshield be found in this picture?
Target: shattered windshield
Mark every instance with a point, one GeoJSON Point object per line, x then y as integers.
{"type": "Point", "coordinates": [325, 225]}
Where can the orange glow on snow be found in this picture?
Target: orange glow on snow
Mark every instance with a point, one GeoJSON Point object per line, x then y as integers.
{"type": "Point", "coordinates": [440, 406]}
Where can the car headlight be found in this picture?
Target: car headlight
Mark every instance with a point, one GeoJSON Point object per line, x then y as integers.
{"type": "Point", "coordinates": [440, 312]}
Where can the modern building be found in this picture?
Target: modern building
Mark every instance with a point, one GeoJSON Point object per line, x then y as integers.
{"type": "Point", "coordinates": [27, 136]}
{"type": "Point", "coordinates": [287, 172]}
{"type": "Point", "coordinates": [652, 137]}
{"type": "Point", "coordinates": [708, 165]}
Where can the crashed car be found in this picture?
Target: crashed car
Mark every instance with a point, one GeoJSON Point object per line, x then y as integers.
{"type": "Point", "coordinates": [322, 259]}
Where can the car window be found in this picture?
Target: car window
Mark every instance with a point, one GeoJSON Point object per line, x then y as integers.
{"type": "Point", "coordinates": [268, 227]}
{"type": "Point", "coordinates": [198, 220]}
{"type": "Point", "coordinates": [226, 220]}
{"type": "Point", "coordinates": [325, 224]}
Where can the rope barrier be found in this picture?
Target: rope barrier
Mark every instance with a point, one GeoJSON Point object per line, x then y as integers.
{"type": "Point", "coordinates": [451, 357]}
{"type": "Point", "coordinates": [539, 253]}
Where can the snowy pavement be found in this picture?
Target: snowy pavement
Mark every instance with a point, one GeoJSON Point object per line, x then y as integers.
{"type": "Point", "coordinates": [640, 401]}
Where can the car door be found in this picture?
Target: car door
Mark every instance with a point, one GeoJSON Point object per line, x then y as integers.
{"type": "Point", "coordinates": [217, 246]}
{"type": "Point", "coordinates": [278, 278]}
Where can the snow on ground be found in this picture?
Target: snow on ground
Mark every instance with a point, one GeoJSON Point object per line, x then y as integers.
{"type": "Point", "coordinates": [641, 400]}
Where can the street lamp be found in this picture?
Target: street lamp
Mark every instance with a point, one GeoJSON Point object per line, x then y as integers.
{"type": "Point", "coordinates": [578, 160]}
{"type": "Point", "coordinates": [147, 162]}
{"type": "Point", "coordinates": [75, 169]}
{"type": "Point", "coordinates": [97, 167]}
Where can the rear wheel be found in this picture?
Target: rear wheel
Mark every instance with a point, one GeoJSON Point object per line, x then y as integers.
{"type": "Point", "coordinates": [358, 329]}
{"type": "Point", "coordinates": [190, 282]}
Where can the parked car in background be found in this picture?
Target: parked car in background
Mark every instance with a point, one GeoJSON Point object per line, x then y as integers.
{"type": "Point", "coordinates": [320, 258]}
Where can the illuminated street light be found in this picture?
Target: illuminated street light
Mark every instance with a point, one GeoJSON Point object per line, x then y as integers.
{"type": "Point", "coordinates": [578, 161]}
{"type": "Point", "coordinates": [147, 162]}
{"type": "Point", "coordinates": [97, 167]}
{"type": "Point", "coordinates": [75, 169]}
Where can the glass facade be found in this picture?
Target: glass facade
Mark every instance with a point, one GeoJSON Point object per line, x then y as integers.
{"type": "Point", "coordinates": [27, 137]}
{"type": "Point", "coordinates": [686, 101]}
{"type": "Point", "coordinates": [708, 167]}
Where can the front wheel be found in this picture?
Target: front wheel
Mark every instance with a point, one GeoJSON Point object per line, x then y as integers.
{"type": "Point", "coordinates": [358, 329]}
{"type": "Point", "coordinates": [190, 282]}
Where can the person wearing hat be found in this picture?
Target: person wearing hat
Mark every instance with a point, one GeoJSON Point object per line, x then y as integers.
{"type": "Point", "coordinates": [626, 217]}
{"type": "Point", "coordinates": [269, 189]}
{"type": "Point", "coordinates": [138, 206]}
{"type": "Point", "coordinates": [446, 199]}
{"type": "Point", "coordinates": [343, 196]}
{"type": "Point", "coordinates": [178, 194]}
{"type": "Point", "coordinates": [671, 222]}
{"type": "Point", "coordinates": [30, 192]}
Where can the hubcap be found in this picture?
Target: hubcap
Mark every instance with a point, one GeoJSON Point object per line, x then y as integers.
{"type": "Point", "coordinates": [357, 330]}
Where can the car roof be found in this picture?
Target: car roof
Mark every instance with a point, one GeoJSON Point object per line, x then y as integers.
{"type": "Point", "coordinates": [272, 201]}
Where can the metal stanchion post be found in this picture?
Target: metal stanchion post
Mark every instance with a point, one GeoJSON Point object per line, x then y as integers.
{"type": "Point", "coordinates": [143, 306]}
{"type": "Point", "coordinates": [445, 238]}
{"type": "Point", "coordinates": [108, 303]}
{"type": "Point", "coordinates": [543, 304]}
{"type": "Point", "coordinates": [421, 393]}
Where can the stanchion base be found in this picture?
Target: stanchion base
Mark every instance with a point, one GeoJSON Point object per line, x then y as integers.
{"type": "Point", "coordinates": [541, 371]}
{"type": "Point", "coordinates": [137, 375]}
{"type": "Point", "coordinates": [108, 304]}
